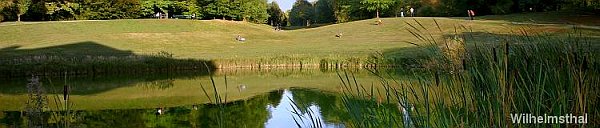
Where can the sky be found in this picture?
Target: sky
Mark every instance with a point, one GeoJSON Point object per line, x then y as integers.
{"type": "Point", "coordinates": [286, 4]}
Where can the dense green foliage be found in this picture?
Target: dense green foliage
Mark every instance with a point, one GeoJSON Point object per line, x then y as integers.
{"type": "Point", "coordinates": [4, 4]}
{"type": "Point", "coordinates": [324, 11]}
{"type": "Point", "coordinates": [276, 16]}
{"type": "Point", "coordinates": [377, 5]}
{"type": "Point", "coordinates": [302, 13]}
{"type": "Point", "coordinates": [43, 10]}
{"type": "Point", "coordinates": [259, 11]}
{"type": "Point", "coordinates": [23, 6]}
{"type": "Point", "coordinates": [349, 10]}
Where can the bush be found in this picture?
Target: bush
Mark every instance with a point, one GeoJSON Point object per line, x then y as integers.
{"type": "Point", "coordinates": [502, 7]}
{"type": "Point", "coordinates": [425, 11]}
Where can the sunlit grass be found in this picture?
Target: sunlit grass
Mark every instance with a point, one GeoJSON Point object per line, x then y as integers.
{"type": "Point", "coordinates": [214, 40]}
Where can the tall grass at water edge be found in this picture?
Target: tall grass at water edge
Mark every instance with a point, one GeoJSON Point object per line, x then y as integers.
{"type": "Point", "coordinates": [48, 65]}
{"type": "Point", "coordinates": [39, 112]}
{"type": "Point", "coordinates": [472, 83]}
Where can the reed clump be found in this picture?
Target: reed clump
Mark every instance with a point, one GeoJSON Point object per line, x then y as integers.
{"type": "Point", "coordinates": [290, 62]}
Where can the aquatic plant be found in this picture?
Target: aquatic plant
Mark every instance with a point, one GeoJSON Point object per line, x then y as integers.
{"type": "Point", "coordinates": [36, 103]}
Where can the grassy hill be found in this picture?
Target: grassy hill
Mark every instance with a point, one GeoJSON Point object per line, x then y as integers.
{"type": "Point", "coordinates": [215, 39]}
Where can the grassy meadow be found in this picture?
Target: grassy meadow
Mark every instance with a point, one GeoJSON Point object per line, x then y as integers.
{"type": "Point", "coordinates": [214, 40]}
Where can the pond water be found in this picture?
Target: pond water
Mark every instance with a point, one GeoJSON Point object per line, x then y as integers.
{"type": "Point", "coordinates": [249, 98]}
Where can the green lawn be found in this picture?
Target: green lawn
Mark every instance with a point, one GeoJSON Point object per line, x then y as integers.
{"type": "Point", "coordinates": [215, 39]}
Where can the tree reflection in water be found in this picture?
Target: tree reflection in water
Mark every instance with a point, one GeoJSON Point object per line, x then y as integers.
{"type": "Point", "coordinates": [273, 109]}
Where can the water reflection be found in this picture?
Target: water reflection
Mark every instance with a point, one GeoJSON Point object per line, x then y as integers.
{"type": "Point", "coordinates": [282, 114]}
{"type": "Point", "coordinates": [272, 110]}
{"type": "Point", "coordinates": [131, 92]}
{"type": "Point", "coordinates": [254, 99]}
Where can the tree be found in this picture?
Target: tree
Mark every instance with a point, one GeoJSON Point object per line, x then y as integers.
{"type": "Point", "coordinates": [302, 13]}
{"type": "Point", "coordinates": [4, 4]}
{"type": "Point", "coordinates": [188, 7]}
{"type": "Point", "coordinates": [163, 5]}
{"type": "Point", "coordinates": [192, 8]}
{"type": "Point", "coordinates": [60, 10]}
{"type": "Point", "coordinates": [341, 10]}
{"type": "Point", "coordinates": [377, 5]}
{"type": "Point", "coordinates": [502, 7]}
{"type": "Point", "coordinates": [276, 16]}
{"type": "Point", "coordinates": [348, 10]}
{"type": "Point", "coordinates": [253, 10]}
{"type": "Point", "coordinates": [108, 9]}
{"type": "Point", "coordinates": [217, 8]}
{"type": "Point", "coordinates": [324, 11]}
{"type": "Point", "coordinates": [397, 8]}
{"type": "Point", "coordinates": [23, 6]}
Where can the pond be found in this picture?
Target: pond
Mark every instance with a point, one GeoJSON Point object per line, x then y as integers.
{"type": "Point", "coordinates": [271, 98]}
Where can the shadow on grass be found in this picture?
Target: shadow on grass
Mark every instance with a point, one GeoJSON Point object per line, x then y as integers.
{"type": "Point", "coordinates": [79, 49]}
{"type": "Point", "coordinates": [90, 58]}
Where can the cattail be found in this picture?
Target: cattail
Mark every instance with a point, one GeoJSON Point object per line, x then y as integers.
{"type": "Point", "coordinates": [506, 49]}
{"type": "Point", "coordinates": [65, 93]}
{"type": "Point", "coordinates": [584, 66]}
{"type": "Point", "coordinates": [464, 64]}
{"type": "Point", "coordinates": [437, 78]}
{"type": "Point", "coordinates": [495, 56]}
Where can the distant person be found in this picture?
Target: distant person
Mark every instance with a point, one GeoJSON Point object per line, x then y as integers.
{"type": "Point", "coordinates": [471, 14]}
{"type": "Point", "coordinates": [193, 16]}
{"type": "Point", "coordinates": [278, 26]}
{"type": "Point", "coordinates": [412, 12]}
{"type": "Point", "coordinates": [402, 12]}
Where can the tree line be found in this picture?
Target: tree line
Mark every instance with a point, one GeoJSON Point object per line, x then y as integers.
{"type": "Point", "coordinates": [330, 11]}
{"type": "Point", "coordinates": [302, 13]}
{"type": "Point", "coordinates": [47, 10]}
